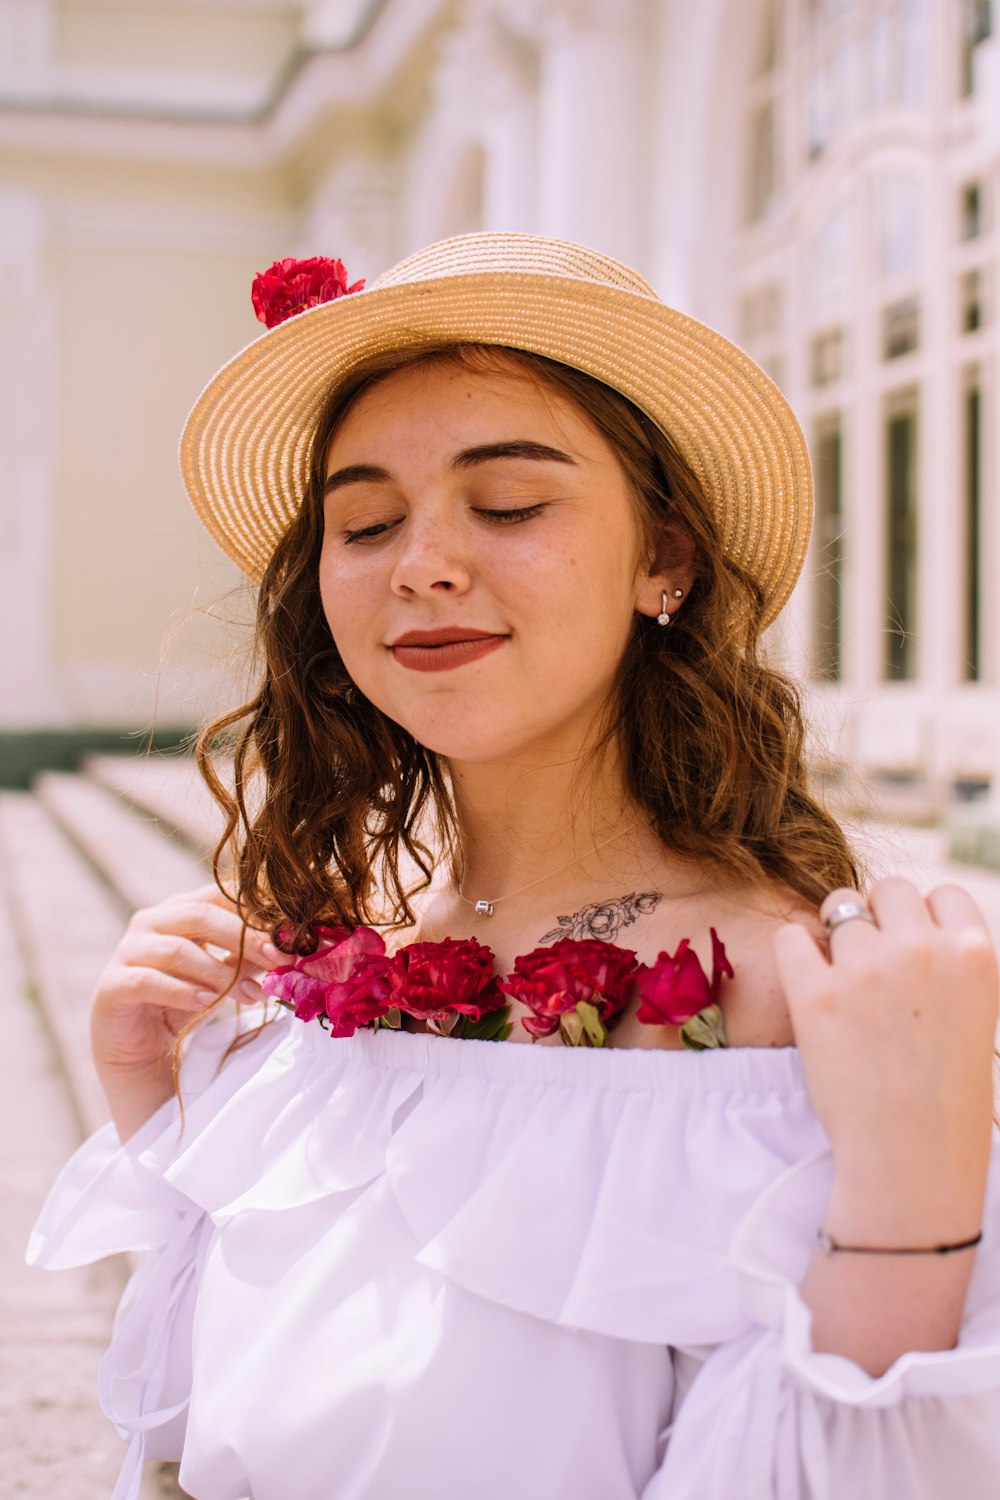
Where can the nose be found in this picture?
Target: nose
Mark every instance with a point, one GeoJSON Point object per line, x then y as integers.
{"type": "Point", "coordinates": [431, 559]}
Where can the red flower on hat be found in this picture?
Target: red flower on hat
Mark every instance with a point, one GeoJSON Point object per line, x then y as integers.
{"type": "Point", "coordinates": [291, 286]}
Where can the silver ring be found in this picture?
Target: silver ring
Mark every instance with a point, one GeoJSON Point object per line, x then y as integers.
{"type": "Point", "coordinates": [848, 911]}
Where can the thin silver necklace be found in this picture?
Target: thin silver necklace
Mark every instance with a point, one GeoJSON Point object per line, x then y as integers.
{"type": "Point", "coordinates": [484, 908]}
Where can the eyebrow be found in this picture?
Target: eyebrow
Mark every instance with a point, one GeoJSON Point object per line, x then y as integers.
{"type": "Point", "coordinates": [468, 458]}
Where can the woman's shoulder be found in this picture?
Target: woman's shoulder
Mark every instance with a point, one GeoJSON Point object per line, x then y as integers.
{"type": "Point", "coordinates": [753, 1003]}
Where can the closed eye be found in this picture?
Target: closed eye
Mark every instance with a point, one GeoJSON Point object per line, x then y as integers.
{"type": "Point", "coordinates": [502, 517]}
{"type": "Point", "coordinates": [367, 533]}
{"type": "Point", "coordinates": [509, 516]}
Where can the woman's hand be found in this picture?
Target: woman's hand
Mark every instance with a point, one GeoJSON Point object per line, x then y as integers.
{"type": "Point", "coordinates": [895, 1027]}
{"type": "Point", "coordinates": [163, 972]}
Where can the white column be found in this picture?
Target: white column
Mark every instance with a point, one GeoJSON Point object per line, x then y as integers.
{"type": "Point", "coordinates": [593, 146]}
{"type": "Point", "coordinates": [25, 47]}
{"type": "Point", "coordinates": [693, 104]}
{"type": "Point", "coordinates": [940, 533]}
{"type": "Point", "coordinates": [864, 474]}
{"type": "Point", "coordinates": [29, 693]}
{"type": "Point", "coordinates": [353, 215]}
{"type": "Point", "coordinates": [474, 163]}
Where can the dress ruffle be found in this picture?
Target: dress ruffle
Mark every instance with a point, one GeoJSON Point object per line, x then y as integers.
{"type": "Point", "coordinates": [656, 1199]}
{"type": "Point", "coordinates": [580, 1187]}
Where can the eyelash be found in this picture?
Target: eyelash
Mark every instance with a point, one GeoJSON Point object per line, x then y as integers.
{"type": "Point", "coordinates": [499, 517]}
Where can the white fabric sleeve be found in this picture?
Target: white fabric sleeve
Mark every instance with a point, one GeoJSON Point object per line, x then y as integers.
{"type": "Point", "coordinates": [107, 1201]}
{"type": "Point", "coordinates": [769, 1418]}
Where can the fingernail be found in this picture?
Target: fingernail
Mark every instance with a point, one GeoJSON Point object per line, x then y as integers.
{"type": "Point", "coordinates": [251, 990]}
{"type": "Point", "coordinates": [273, 954]}
{"type": "Point", "coordinates": [204, 996]}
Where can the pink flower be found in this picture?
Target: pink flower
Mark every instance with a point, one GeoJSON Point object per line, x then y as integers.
{"type": "Point", "coordinates": [554, 981]}
{"type": "Point", "coordinates": [345, 979]}
{"type": "Point", "coordinates": [438, 981]}
{"type": "Point", "coordinates": [290, 286]}
{"type": "Point", "coordinates": [676, 989]}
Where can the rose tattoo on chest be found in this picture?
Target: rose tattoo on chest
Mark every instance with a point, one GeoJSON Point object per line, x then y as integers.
{"type": "Point", "coordinates": [604, 919]}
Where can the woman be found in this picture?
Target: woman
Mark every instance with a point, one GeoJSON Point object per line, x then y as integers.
{"type": "Point", "coordinates": [518, 528]}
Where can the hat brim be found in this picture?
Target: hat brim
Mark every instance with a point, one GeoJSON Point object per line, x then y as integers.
{"type": "Point", "coordinates": [245, 447]}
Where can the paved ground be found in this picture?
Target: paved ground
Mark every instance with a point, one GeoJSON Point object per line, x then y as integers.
{"type": "Point", "coordinates": [56, 1443]}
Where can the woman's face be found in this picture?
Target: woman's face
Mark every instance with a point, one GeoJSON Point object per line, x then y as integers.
{"type": "Point", "coordinates": [481, 564]}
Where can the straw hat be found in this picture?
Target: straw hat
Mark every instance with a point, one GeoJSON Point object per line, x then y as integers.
{"type": "Point", "coordinates": [245, 447]}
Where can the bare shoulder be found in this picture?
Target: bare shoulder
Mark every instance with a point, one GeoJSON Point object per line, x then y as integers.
{"type": "Point", "coordinates": [753, 1001]}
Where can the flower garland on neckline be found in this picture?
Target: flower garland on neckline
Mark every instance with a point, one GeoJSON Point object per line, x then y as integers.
{"type": "Point", "coordinates": [578, 988]}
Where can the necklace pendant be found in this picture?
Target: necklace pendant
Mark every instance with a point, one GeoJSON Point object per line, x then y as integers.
{"type": "Point", "coordinates": [484, 908]}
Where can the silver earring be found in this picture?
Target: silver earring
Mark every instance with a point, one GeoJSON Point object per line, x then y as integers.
{"type": "Point", "coordinates": [663, 618]}
{"type": "Point", "coordinates": [678, 593]}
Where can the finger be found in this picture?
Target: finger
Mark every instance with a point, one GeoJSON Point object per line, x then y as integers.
{"type": "Point", "coordinates": [250, 992]}
{"type": "Point", "coordinates": [835, 897]}
{"type": "Point", "coordinates": [151, 987]}
{"type": "Point", "coordinates": [799, 960]}
{"type": "Point", "coordinates": [853, 932]}
{"type": "Point", "coordinates": [179, 956]}
{"type": "Point", "coordinates": [952, 906]}
{"type": "Point", "coordinates": [898, 904]}
{"type": "Point", "coordinates": [207, 922]}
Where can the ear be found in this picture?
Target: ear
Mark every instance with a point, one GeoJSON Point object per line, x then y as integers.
{"type": "Point", "coordinates": [673, 567]}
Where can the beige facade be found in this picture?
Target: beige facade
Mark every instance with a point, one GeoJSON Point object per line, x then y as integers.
{"type": "Point", "coordinates": [818, 178]}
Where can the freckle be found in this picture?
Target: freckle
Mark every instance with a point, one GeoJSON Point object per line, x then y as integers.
{"type": "Point", "coordinates": [917, 1013]}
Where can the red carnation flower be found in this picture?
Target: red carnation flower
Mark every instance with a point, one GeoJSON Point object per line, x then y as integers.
{"type": "Point", "coordinates": [677, 992]}
{"type": "Point", "coordinates": [345, 979]}
{"type": "Point", "coordinates": [575, 987]}
{"type": "Point", "coordinates": [438, 982]}
{"type": "Point", "coordinates": [291, 286]}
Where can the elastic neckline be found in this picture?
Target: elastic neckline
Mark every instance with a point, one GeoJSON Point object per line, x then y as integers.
{"type": "Point", "coordinates": [731, 1070]}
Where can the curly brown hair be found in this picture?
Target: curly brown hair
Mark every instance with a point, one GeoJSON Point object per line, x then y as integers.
{"type": "Point", "coordinates": [355, 813]}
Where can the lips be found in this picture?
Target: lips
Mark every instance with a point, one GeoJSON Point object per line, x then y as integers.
{"type": "Point", "coordinates": [442, 649]}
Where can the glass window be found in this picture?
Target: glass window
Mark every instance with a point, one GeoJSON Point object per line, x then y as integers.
{"type": "Point", "coordinates": [977, 25]}
{"type": "Point", "coordinates": [883, 52]}
{"type": "Point", "coordinates": [900, 227]}
{"type": "Point", "coordinates": [901, 328]}
{"type": "Point", "coordinates": [901, 491]}
{"type": "Point", "coordinates": [827, 357]}
{"type": "Point", "coordinates": [829, 268]}
{"type": "Point", "coordinates": [916, 53]}
{"type": "Point", "coordinates": [761, 313]}
{"type": "Point", "coordinates": [763, 161]}
{"type": "Point", "coordinates": [972, 593]}
{"type": "Point", "coordinates": [818, 111]}
{"type": "Point", "coordinates": [829, 552]}
{"type": "Point", "coordinates": [770, 39]}
{"type": "Point", "coordinates": [972, 217]}
{"type": "Point", "coordinates": [971, 301]}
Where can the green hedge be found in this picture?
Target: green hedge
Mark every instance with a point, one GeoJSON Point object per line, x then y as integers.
{"type": "Point", "coordinates": [23, 753]}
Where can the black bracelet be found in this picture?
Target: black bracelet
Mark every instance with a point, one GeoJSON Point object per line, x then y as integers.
{"type": "Point", "coordinates": [829, 1247]}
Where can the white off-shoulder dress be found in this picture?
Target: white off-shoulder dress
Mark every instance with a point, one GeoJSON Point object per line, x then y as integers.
{"type": "Point", "coordinates": [408, 1267]}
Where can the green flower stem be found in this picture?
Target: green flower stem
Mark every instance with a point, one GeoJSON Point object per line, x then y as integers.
{"type": "Point", "coordinates": [704, 1030]}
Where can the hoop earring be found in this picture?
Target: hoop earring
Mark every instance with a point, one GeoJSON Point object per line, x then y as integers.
{"type": "Point", "coordinates": [663, 618]}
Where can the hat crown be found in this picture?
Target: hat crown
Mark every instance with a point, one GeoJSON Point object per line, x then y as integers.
{"type": "Point", "coordinates": [513, 255]}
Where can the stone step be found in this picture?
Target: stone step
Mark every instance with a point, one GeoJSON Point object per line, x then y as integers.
{"type": "Point", "coordinates": [133, 850]}
{"type": "Point", "coordinates": [55, 1440]}
{"type": "Point", "coordinates": [68, 922]}
{"type": "Point", "coordinates": [170, 787]}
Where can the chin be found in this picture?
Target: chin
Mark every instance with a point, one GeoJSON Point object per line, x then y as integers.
{"type": "Point", "coordinates": [464, 737]}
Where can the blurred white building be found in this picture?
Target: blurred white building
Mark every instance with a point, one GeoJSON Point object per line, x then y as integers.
{"type": "Point", "coordinates": [818, 178]}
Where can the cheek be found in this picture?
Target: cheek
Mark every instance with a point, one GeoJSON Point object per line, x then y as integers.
{"type": "Point", "coordinates": [347, 584]}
